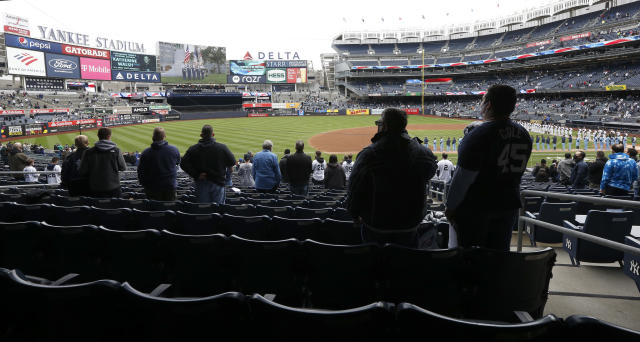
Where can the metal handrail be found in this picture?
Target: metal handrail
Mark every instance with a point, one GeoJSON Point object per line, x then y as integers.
{"type": "Point", "coordinates": [571, 232]}
{"type": "Point", "coordinates": [581, 198]}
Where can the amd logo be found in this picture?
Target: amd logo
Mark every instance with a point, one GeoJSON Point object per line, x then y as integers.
{"type": "Point", "coordinates": [139, 110]}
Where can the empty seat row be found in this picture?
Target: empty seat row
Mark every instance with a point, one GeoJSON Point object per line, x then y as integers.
{"type": "Point", "coordinates": [469, 283]}
{"type": "Point", "coordinates": [264, 222]}
{"type": "Point", "coordinates": [107, 310]}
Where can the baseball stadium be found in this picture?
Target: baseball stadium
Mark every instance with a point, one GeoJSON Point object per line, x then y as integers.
{"type": "Point", "coordinates": [478, 179]}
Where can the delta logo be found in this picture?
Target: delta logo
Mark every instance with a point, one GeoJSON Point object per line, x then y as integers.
{"type": "Point", "coordinates": [25, 58]}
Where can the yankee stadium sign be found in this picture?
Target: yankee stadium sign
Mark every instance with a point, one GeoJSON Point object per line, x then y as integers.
{"type": "Point", "coordinates": [75, 38]}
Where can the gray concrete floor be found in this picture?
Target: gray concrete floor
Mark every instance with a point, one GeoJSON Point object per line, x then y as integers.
{"type": "Point", "coordinates": [583, 290]}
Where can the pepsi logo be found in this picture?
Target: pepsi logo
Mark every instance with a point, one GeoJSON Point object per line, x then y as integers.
{"type": "Point", "coordinates": [23, 41]}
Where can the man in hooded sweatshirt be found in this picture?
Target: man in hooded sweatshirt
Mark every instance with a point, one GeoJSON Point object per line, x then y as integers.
{"type": "Point", "coordinates": [619, 173]}
{"type": "Point", "coordinates": [17, 160]}
{"type": "Point", "coordinates": [102, 164]}
{"type": "Point", "coordinates": [334, 177]}
{"type": "Point", "coordinates": [207, 162]}
{"type": "Point", "coordinates": [158, 168]}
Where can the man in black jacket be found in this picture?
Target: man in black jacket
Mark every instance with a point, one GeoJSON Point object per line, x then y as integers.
{"type": "Point", "coordinates": [298, 170]}
{"type": "Point", "coordinates": [101, 164]}
{"type": "Point", "coordinates": [595, 170]}
{"type": "Point", "coordinates": [387, 186]}
{"type": "Point", "coordinates": [207, 162]}
{"type": "Point", "coordinates": [580, 171]}
{"type": "Point", "coordinates": [283, 165]}
{"type": "Point", "coordinates": [71, 179]}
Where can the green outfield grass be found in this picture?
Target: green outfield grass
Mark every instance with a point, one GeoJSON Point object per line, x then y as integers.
{"type": "Point", "coordinates": [247, 134]}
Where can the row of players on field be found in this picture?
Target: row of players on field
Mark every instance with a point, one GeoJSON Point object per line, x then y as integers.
{"type": "Point", "coordinates": [602, 139]}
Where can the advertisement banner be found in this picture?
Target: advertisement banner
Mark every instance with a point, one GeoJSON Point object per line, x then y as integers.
{"type": "Point", "coordinates": [122, 110]}
{"type": "Point", "coordinates": [616, 87]}
{"type": "Point", "coordinates": [237, 79]}
{"type": "Point", "coordinates": [292, 105]}
{"type": "Point", "coordinates": [247, 67]}
{"type": "Point", "coordinates": [136, 76]}
{"type": "Point", "coordinates": [25, 62]}
{"type": "Point", "coordinates": [333, 110]}
{"type": "Point", "coordinates": [296, 75]}
{"type": "Point", "coordinates": [95, 69]}
{"type": "Point", "coordinates": [49, 111]}
{"type": "Point", "coordinates": [150, 120]}
{"type": "Point", "coordinates": [34, 129]}
{"type": "Point", "coordinates": [33, 83]}
{"type": "Point", "coordinates": [544, 42]}
{"type": "Point", "coordinates": [575, 36]}
{"type": "Point", "coordinates": [140, 110]}
{"type": "Point", "coordinates": [276, 75]}
{"type": "Point", "coordinates": [279, 105]}
{"type": "Point", "coordinates": [16, 24]}
{"type": "Point", "coordinates": [85, 52]}
{"type": "Point", "coordinates": [284, 87]}
{"type": "Point", "coordinates": [62, 66]}
{"type": "Point", "coordinates": [376, 111]}
{"type": "Point", "coordinates": [257, 115]}
{"type": "Point", "coordinates": [14, 131]}
{"type": "Point", "coordinates": [187, 63]}
{"type": "Point", "coordinates": [286, 64]}
{"type": "Point", "coordinates": [412, 111]}
{"type": "Point", "coordinates": [71, 123]}
{"type": "Point", "coordinates": [357, 111]}
{"type": "Point", "coordinates": [32, 44]}
{"type": "Point", "coordinates": [171, 117]}
{"type": "Point", "coordinates": [12, 112]}
{"type": "Point", "coordinates": [256, 105]}
{"type": "Point", "coordinates": [132, 62]}
{"type": "Point", "coordinates": [166, 106]}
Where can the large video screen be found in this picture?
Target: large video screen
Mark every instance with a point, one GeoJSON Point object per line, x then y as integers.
{"type": "Point", "coordinates": [188, 63]}
{"type": "Point", "coordinates": [247, 68]}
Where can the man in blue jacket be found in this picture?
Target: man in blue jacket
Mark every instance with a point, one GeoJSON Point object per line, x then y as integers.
{"type": "Point", "coordinates": [158, 168]}
{"type": "Point", "coordinates": [266, 169]}
{"type": "Point", "coordinates": [619, 173]}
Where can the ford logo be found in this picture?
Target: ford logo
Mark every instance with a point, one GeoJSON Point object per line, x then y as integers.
{"type": "Point", "coordinates": [63, 64]}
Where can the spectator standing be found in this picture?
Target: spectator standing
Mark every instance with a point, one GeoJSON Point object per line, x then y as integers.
{"type": "Point", "coordinates": [158, 168]}
{"type": "Point", "coordinates": [445, 169]}
{"type": "Point", "coordinates": [318, 166]}
{"type": "Point", "coordinates": [71, 179]}
{"type": "Point", "coordinates": [619, 173]}
{"type": "Point", "coordinates": [347, 164]}
{"type": "Point", "coordinates": [101, 164]}
{"type": "Point", "coordinates": [541, 172]}
{"type": "Point", "coordinates": [17, 160]}
{"type": "Point", "coordinates": [53, 166]}
{"type": "Point", "coordinates": [484, 196]}
{"type": "Point", "coordinates": [564, 169]}
{"type": "Point", "coordinates": [387, 186]}
{"type": "Point", "coordinates": [579, 175]}
{"type": "Point", "coordinates": [283, 165]}
{"type": "Point", "coordinates": [266, 170]}
{"type": "Point", "coordinates": [33, 177]}
{"type": "Point", "coordinates": [245, 173]}
{"type": "Point", "coordinates": [595, 170]}
{"type": "Point", "coordinates": [334, 177]}
{"type": "Point", "coordinates": [299, 168]}
{"type": "Point", "coordinates": [207, 162]}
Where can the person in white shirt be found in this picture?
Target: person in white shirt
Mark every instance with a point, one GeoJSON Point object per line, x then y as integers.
{"type": "Point", "coordinates": [445, 169]}
{"type": "Point", "coordinates": [347, 165]}
{"type": "Point", "coordinates": [31, 178]}
{"type": "Point", "coordinates": [53, 166]}
{"type": "Point", "coordinates": [317, 167]}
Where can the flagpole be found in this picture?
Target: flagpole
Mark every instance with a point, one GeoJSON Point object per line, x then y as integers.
{"type": "Point", "coordinates": [422, 80]}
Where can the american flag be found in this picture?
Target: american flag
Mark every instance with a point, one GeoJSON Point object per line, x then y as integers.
{"type": "Point", "coordinates": [187, 55]}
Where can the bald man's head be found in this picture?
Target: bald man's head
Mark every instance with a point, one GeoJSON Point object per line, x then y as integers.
{"type": "Point", "coordinates": [159, 134]}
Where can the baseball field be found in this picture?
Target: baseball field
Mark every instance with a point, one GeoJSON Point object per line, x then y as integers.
{"type": "Point", "coordinates": [338, 134]}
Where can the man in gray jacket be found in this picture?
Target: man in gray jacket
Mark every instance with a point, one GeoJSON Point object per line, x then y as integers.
{"type": "Point", "coordinates": [564, 169]}
{"type": "Point", "coordinates": [101, 164]}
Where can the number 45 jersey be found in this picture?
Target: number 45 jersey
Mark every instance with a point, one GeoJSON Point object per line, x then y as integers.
{"type": "Point", "coordinates": [497, 152]}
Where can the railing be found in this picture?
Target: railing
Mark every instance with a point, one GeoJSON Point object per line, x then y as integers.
{"type": "Point", "coordinates": [439, 189]}
{"type": "Point", "coordinates": [523, 220]}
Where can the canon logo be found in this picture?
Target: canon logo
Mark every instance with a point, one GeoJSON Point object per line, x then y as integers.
{"type": "Point", "coordinates": [63, 64]}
